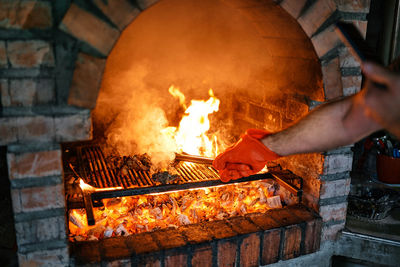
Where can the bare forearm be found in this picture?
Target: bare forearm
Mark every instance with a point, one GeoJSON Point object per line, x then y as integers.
{"type": "Point", "coordinates": [332, 125]}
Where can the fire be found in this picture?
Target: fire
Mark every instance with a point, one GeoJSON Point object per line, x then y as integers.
{"type": "Point", "coordinates": [137, 214]}
{"type": "Point", "coordinates": [85, 186]}
{"type": "Point", "coordinates": [191, 136]}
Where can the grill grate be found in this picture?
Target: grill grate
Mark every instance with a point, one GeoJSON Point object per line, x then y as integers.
{"type": "Point", "coordinates": [194, 172]}
{"type": "Point", "coordinates": [101, 173]}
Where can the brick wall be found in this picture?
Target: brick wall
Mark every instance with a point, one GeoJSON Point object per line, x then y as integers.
{"type": "Point", "coordinates": [52, 55]}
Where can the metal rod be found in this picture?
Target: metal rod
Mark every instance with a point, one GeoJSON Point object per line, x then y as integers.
{"type": "Point", "coordinates": [289, 187]}
{"type": "Point", "coordinates": [87, 199]}
{"type": "Point", "coordinates": [196, 159]}
{"type": "Point", "coordinates": [100, 194]}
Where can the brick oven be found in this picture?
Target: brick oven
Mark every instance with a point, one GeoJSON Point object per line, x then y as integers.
{"type": "Point", "coordinates": [59, 62]}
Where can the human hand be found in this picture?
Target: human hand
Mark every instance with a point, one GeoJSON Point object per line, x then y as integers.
{"type": "Point", "coordinates": [382, 105]}
{"type": "Point", "coordinates": [248, 156]}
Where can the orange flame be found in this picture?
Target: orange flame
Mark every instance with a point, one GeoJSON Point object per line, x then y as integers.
{"type": "Point", "coordinates": [191, 137]}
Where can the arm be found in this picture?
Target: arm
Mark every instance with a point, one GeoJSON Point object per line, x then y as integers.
{"type": "Point", "coordinates": [331, 125]}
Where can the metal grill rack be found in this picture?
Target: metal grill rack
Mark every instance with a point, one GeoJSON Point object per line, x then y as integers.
{"type": "Point", "coordinates": [193, 171]}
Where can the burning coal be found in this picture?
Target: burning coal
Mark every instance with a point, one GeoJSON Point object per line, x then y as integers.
{"type": "Point", "coordinates": [137, 214]}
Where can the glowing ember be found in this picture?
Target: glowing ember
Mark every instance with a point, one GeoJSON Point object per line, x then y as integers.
{"type": "Point", "coordinates": [191, 137]}
{"type": "Point", "coordinates": [130, 215]}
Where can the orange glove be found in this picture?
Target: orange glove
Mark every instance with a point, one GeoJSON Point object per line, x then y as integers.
{"type": "Point", "coordinates": [248, 156]}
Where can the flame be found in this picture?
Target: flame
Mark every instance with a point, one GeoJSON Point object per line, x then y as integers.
{"type": "Point", "coordinates": [191, 136]}
{"type": "Point", "coordinates": [85, 186]}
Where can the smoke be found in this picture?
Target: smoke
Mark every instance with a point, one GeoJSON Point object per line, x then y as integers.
{"type": "Point", "coordinates": [195, 45]}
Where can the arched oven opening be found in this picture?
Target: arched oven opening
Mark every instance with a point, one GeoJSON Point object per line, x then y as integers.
{"type": "Point", "coordinates": [181, 84]}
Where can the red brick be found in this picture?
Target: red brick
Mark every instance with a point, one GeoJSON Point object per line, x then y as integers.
{"type": "Point", "coordinates": [169, 238]}
{"type": "Point", "coordinates": [250, 251]}
{"type": "Point", "coordinates": [264, 221]}
{"type": "Point", "coordinates": [316, 15]}
{"type": "Point", "coordinates": [77, 127]}
{"type": "Point", "coordinates": [256, 112]}
{"type": "Point", "coordinates": [271, 243]}
{"type": "Point", "coordinates": [303, 213]}
{"type": "Point", "coordinates": [293, 7]}
{"type": "Point", "coordinates": [227, 253]}
{"type": "Point", "coordinates": [8, 131]}
{"type": "Point", "coordinates": [296, 109]}
{"type": "Point", "coordinates": [243, 226]}
{"type": "Point", "coordinates": [40, 230]}
{"type": "Point", "coordinates": [284, 217]}
{"type": "Point", "coordinates": [194, 233]}
{"type": "Point", "coordinates": [354, 5]}
{"type": "Point", "coordinates": [29, 54]}
{"type": "Point", "coordinates": [80, 24]}
{"type": "Point", "coordinates": [120, 12]}
{"type": "Point", "coordinates": [25, 14]}
{"type": "Point", "coordinates": [332, 79]}
{"type": "Point", "coordinates": [219, 229]}
{"type": "Point", "coordinates": [16, 200]}
{"type": "Point", "coordinates": [114, 248]}
{"type": "Point", "coordinates": [312, 236]}
{"type": "Point", "coordinates": [202, 256]}
{"type": "Point", "coordinates": [331, 232]}
{"type": "Point", "coordinates": [141, 243]}
{"type": "Point", "coordinates": [175, 259]}
{"type": "Point", "coordinates": [34, 164]}
{"type": "Point", "coordinates": [292, 241]}
{"type": "Point", "coordinates": [325, 41]}
{"type": "Point", "coordinates": [54, 257]}
{"type": "Point", "coordinates": [41, 198]}
{"type": "Point", "coordinates": [86, 81]}
{"type": "Point", "coordinates": [34, 129]}
{"type": "Point", "coordinates": [273, 121]}
{"type": "Point", "coordinates": [351, 84]}
{"type": "Point", "coordinates": [3, 55]}
{"type": "Point", "coordinates": [337, 163]}
{"type": "Point", "coordinates": [346, 59]}
{"type": "Point", "coordinates": [335, 212]}
{"type": "Point", "coordinates": [28, 92]}
{"type": "Point", "coordinates": [335, 188]}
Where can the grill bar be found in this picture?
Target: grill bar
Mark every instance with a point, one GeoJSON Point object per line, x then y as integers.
{"type": "Point", "coordinates": [193, 171]}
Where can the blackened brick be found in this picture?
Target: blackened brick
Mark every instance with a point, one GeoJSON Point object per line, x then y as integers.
{"type": "Point", "coordinates": [86, 252]}
{"type": "Point", "coordinates": [219, 229]}
{"type": "Point", "coordinates": [263, 220]}
{"type": "Point", "coordinates": [141, 243]}
{"type": "Point", "coordinates": [194, 233]}
{"type": "Point", "coordinates": [169, 238]}
{"type": "Point", "coordinates": [114, 248]}
{"type": "Point", "coordinates": [284, 217]}
{"type": "Point", "coordinates": [243, 226]}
